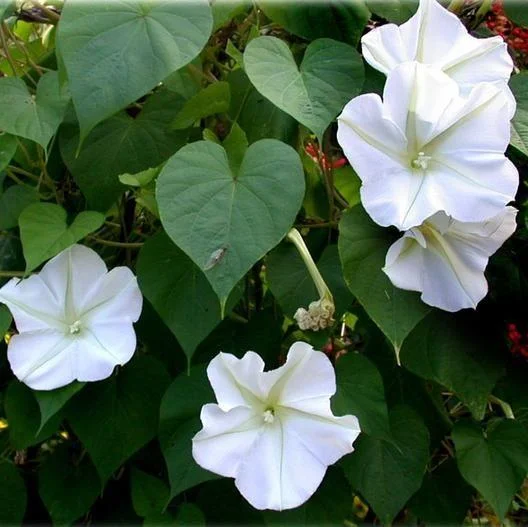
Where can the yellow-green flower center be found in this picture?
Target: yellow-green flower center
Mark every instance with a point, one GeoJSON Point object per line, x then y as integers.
{"type": "Point", "coordinates": [75, 328]}
{"type": "Point", "coordinates": [421, 161]}
{"type": "Point", "coordinates": [269, 416]}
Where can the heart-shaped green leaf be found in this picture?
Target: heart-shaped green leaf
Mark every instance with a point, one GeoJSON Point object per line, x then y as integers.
{"type": "Point", "coordinates": [115, 53]}
{"type": "Point", "coordinates": [13, 494]}
{"type": "Point", "coordinates": [360, 392]}
{"type": "Point", "coordinates": [12, 202]}
{"type": "Point", "coordinates": [45, 233]}
{"type": "Point", "coordinates": [519, 124]}
{"type": "Point", "coordinates": [33, 117]}
{"type": "Point", "coordinates": [8, 146]}
{"type": "Point", "coordinates": [387, 472]}
{"type": "Point", "coordinates": [226, 221]}
{"type": "Point", "coordinates": [178, 423]}
{"type": "Point", "coordinates": [363, 246]}
{"type": "Point", "coordinates": [125, 408]}
{"type": "Point", "coordinates": [456, 352]}
{"type": "Point", "coordinates": [183, 298]}
{"type": "Point", "coordinates": [330, 74]}
{"type": "Point", "coordinates": [136, 144]}
{"type": "Point", "coordinates": [494, 462]}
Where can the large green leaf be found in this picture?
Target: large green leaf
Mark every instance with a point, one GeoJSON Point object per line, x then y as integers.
{"type": "Point", "coordinates": [519, 124]}
{"type": "Point", "coordinates": [149, 494]}
{"type": "Point", "coordinates": [45, 232]}
{"type": "Point", "coordinates": [444, 497]}
{"type": "Point", "coordinates": [33, 117]}
{"type": "Point", "coordinates": [338, 19]}
{"type": "Point", "coordinates": [388, 472]}
{"type": "Point", "coordinates": [13, 495]}
{"type": "Point", "coordinates": [115, 53]}
{"type": "Point", "coordinates": [330, 74]}
{"type": "Point", "coordinates": [52, 401]}
{"type": "Point", "coordinates": [363, 246]}
{"type": "Point", "coordinates": [213, 99]}
{"type": "Point", "coordinates": [261, 334]}
{"type": "Point", "coordinates": [255, 114]}
{"type": "Point", "coordinates": [5, 320]}
{"type": "Point", "coordinates": [8, 146]}
{"type": "Point", "coordinates": [397, 11]}
{"type": "Point", "coordinates": [226, 221]}
{"type": "Point", "coordinates": [179, 422]}
{"type": "Point", "coordinates": [517, 11]}
{"type": "Point", "coordinates": [12, 202]}
{"type": "Point", "coordinates": [116, 417]}
{"type": "Point", "coordinates": [23, 417]}
{"type": "Point", "coordinates": [360, 392]}
{"type": "Point", "coordinates": [6, 7]}
{"type": "Point", "coordinates": [222, 504]}
{"type": "Point", "coordinates": [122, 145]}
{"type": "Point", "coordinates": [182, 297]}
{"type": "Point", "coordinates": [495, 462]}
{"type": "Point", "coordinates": [67, 486]}
{"type": "Point", "coordinates": [11, 256]}
{"type": "Point", "coordinates": [455, 352]}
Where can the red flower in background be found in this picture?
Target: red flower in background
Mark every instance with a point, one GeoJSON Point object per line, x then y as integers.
{"type": "Point", "coordinates": [515, 36]}
{"type": "Point", "coordinates": [518, 342]}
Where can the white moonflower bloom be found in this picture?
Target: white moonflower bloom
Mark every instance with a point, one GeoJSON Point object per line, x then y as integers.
{"type": "Point", "coordinates": [74, 320]}
{"type": "Point", "coordinates": [446, 259]}
{"type": "Point", "coordinates": [436, 36]}
{"type": "Point", "coordinates": [425, 149]}
{"type": "Point", "coordinates": [274, 431]}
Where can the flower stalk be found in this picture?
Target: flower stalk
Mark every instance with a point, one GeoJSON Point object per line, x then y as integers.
{"type": "Point", "coordinates": [320, 313]}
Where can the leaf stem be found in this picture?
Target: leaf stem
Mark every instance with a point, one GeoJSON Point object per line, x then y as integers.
{"type": "Point", "coordinates": [53, 17]}
{"type": "Point", "coordinates": [122, 245]}
{"type": "Point", "coordinates": [11, 274]}
{"type": "Point", "coordinates": [6, 50]}
{"type": "Point", "coordinates": [505, 407]}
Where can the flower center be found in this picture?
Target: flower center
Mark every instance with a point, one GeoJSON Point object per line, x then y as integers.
{"type": "Point", "coordinates": [421, 161]}
{"type": "Point", "coordinates": [75, 328]}
{"type": "Point", "coordinates": [269, 416]}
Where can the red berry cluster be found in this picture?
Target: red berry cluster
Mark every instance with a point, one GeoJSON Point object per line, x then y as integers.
{"type": "Point", "coordinates": [515, 36]}
{"type": "Point", "coordinates": [313, 151]}
{"type": "Point", "coordinates": [518, 343]}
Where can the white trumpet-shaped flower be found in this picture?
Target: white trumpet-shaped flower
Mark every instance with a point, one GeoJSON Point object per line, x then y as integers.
{"type": "Point", "coordinates": [446, 259]}
{"type": "Point", "coordinates": [436, 36]}
{"type": "Point", "coordinates": [74, 320]}
{"type": "Point", "coordinates": [274, 431]}
{"type": "Point", "coordinates": [426, 149]}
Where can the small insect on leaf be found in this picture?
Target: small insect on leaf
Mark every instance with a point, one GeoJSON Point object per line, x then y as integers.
{"type": "Point", "coordinates": [215, 258]}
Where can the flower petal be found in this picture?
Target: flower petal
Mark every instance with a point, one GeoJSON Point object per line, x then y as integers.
{"type": "Point", "coordinates": [72, 274]}
{"type": "Point", "coordinates": [368, 137]}
{"type": "Point", "coordinates": [32, 304]}
{"type": "Point", "coordinates": [469, 186]}
{"type": "Point", "coordinates": [114, 297]}
{"type": "Point", "coordinates": [449, 271]}
{"type": "Point", "coordinates": [326, 436]}
{"type": "Point", "coordinates": [225, 438]}
{"type": "Point", "coordinates": [43, 359]}
{"type": "Point", "coordinates": [236, 382]}
{"type": "Point", "coordinates": [102, 347]}
{"type": "Point", "coordinates": [288, 460]}
{"type": "Point", "coordinates": [278, 472]}
{"type": "Point", "coordinates": [404, 263]}
{"type": "Point", "coordinates": [435, 36]}
{"type": "Point", "coordinates": [289, 384]}
{"type": "Point", "coordinates": [415, 97]}
{"type": "Point", "coordinates": [485, 110]}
